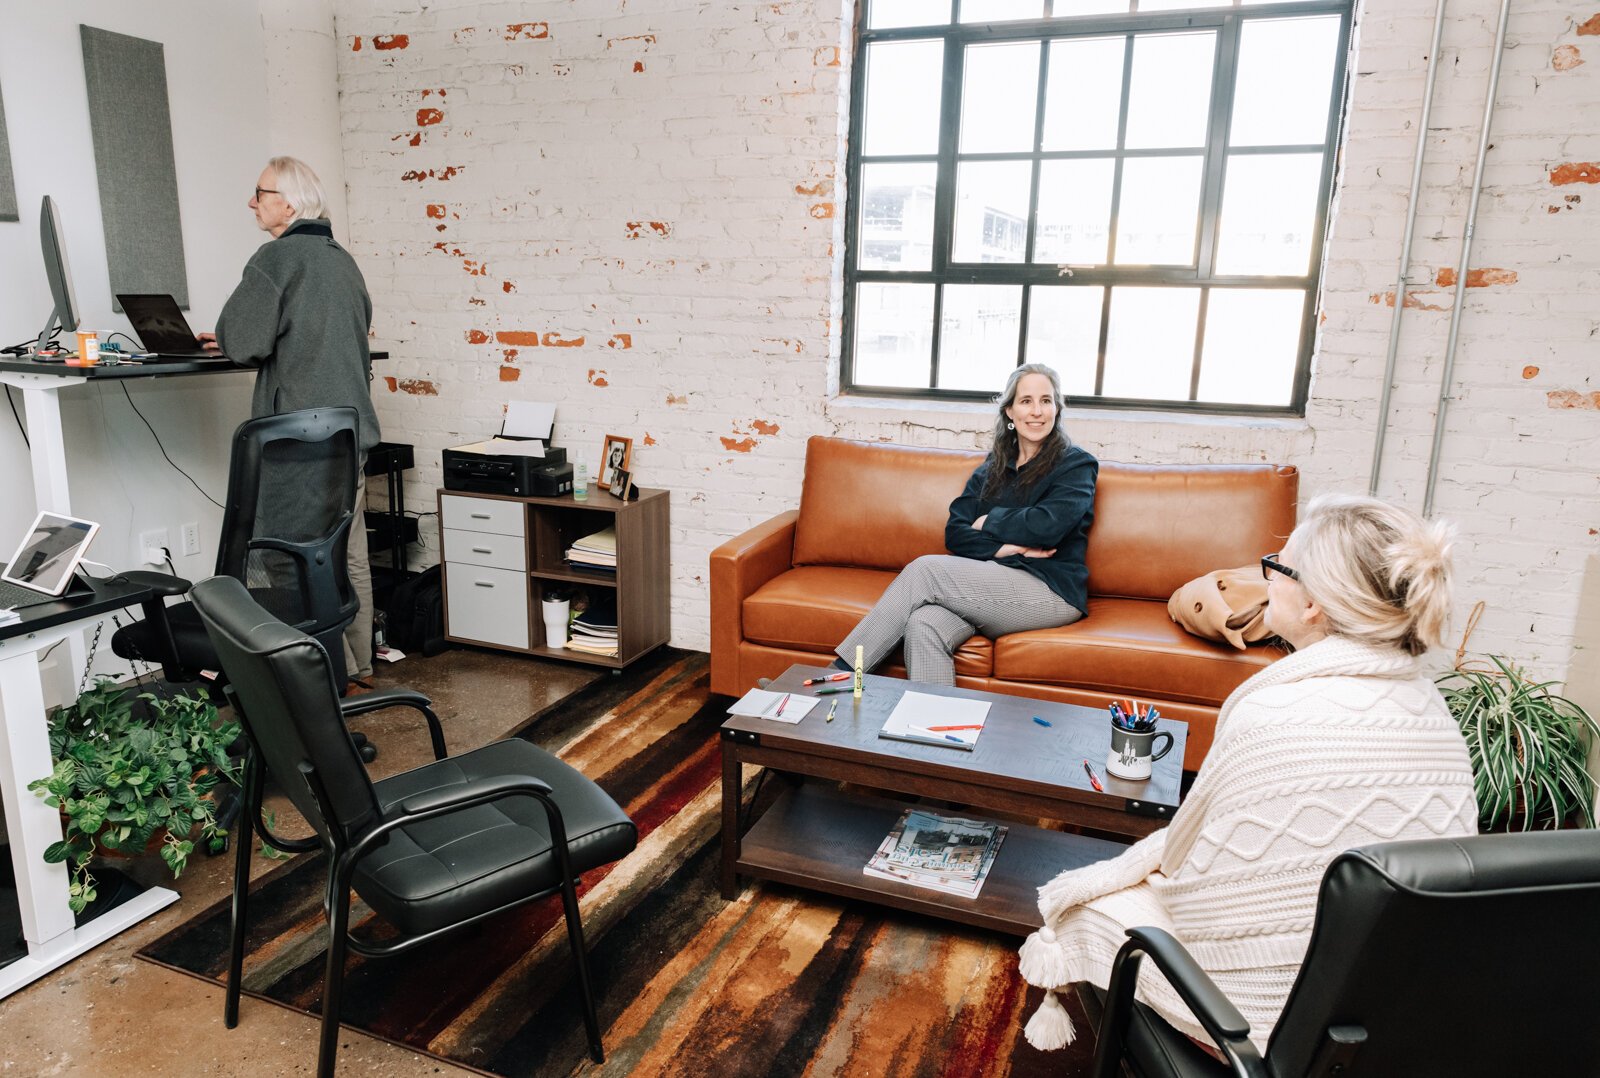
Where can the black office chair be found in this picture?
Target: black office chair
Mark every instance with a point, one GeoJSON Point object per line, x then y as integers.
{"type": "Point", "coordinates": [430, 850]}
{"type": "Point", "coordinates": [1463, 957]}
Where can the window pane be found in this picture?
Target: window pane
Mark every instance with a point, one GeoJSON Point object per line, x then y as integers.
{"type": "Point", "coordinates": [1269, 213]}
{"type": "Point", "coordinates": [1074, 211]}
{"type": "Point", "coordinates": [999, 97]}
{"type": "Point", "coordinates": [896, 217]}
{"type": "Point", "coordinates": [1158, 212]}
{"type": "Point", "coordinates": [1169, 100]}
{"type": "Point", "coordinates": [1150, 343]}
{"type": "Point", "coordinates": [1176, 5]}
{"type": "Point", "coordinates": [1064, 331]}
{"type": "Point", "coordinates": [991, 211]}
{"type": "Point", "coordinates": [902, 107]}
{"type": "Point", "coordinates": [1066, 9]}
{"type": "Point", "coordinates": [1001, 10]}
{"type": "Point", "coordinates": [884, 14]}
{"type": "Point", "coordinates": [1084, 97]}
{"type": "Point", "coordinates": [978, 334]}
{"type": "Point", "coordinates": [894, 334]}
{"type": "Point", "coordinates": [1252, 344]}
{"type": "Point", "coordinates": [1285, 81]}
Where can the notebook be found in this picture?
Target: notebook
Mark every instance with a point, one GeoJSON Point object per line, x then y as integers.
{"type": "Point", "coordinates": [45, 565]}
{"type": "Point", "coordinates": [161, 327]}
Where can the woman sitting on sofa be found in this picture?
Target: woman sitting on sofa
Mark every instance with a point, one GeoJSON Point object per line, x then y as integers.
{"type": "Point", "coordinates": [1016, 537]}
{"type": "Point", "coordinates": [1346, 742]}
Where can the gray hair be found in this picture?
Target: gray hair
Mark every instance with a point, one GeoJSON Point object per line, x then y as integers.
{"type": "Point", "coordinates": [299, 187]}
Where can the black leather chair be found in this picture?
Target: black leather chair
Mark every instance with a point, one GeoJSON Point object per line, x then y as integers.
{"type": "Point", "coordinates": [1466, 957]}
{"type": "Point", "coordinates": [430, 850]}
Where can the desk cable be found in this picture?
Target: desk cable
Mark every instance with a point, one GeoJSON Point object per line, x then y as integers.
{"type": "Point", "coordinates": [23, 430]}
{"type": "Point", "coordinates": [163, 448]}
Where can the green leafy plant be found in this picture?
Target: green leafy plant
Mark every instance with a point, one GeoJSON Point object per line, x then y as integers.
{"type": "Point", "coordinates": [125, 776]}
{"type": "Point", "coordinates": [1529, 746]}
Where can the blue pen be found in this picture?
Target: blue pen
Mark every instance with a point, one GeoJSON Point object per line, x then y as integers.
{"type": "Point", "coordinates": [953, 737]}
{"type": "Point", "coordinates": [1040, 721]}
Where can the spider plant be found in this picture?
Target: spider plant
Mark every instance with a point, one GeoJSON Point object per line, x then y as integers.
{"type": "Point", "coordinates": [1529, 747]}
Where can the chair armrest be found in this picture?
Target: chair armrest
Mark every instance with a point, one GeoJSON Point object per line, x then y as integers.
{"type": "Point", "coordinates": [475, 792]}
{"type": "Point", "coordinates": [1215, 1012]}
{"type": "Point", "coordinates": [163, 584]}
{"type": "Point", "coordinates": [378, 699]}
{"type": "Point", "coordinates": [738, 568]}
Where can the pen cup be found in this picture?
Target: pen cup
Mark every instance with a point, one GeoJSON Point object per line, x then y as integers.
{"type": "Point", "coordinates": [1132, 754]}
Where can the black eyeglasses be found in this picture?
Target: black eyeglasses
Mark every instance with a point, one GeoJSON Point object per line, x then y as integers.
{"type": "Point", "coordinates": [265, 191]}
{"type": "Point", "coordinates": [1270, 564]}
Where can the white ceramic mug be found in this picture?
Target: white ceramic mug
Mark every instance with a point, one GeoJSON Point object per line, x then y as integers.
{"type": "Point", "coordinates": [1131, 755]}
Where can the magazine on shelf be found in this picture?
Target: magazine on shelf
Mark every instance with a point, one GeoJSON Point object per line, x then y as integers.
{"type": "Point", "coordinates": [944, 853]}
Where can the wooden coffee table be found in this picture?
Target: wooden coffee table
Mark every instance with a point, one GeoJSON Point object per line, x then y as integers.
{"type": "Point", "coordinates": [819, 837]}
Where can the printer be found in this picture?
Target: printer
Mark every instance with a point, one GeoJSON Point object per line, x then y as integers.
{"type": "Point", "coordinates": [520, 461]}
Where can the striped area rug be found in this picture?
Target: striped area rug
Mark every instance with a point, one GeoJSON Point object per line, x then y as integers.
{"type": "Point", "coordinates": [777, 982]}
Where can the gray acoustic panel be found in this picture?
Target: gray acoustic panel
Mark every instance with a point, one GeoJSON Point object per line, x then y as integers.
{"type": "Point", "coordinates": [8, 187]}
{"type": "Point", "coordinates": [131, 125]}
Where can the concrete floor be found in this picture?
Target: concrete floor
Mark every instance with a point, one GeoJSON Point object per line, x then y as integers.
{"type": "Point", "coordinates": [108, 1013]}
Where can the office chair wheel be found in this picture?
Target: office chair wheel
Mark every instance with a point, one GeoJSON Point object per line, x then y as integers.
{"type": "Point", "coordinates": [368, 751]}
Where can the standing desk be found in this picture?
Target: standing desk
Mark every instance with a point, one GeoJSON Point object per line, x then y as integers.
{"type": "Point", "coordinates": [48, 925]}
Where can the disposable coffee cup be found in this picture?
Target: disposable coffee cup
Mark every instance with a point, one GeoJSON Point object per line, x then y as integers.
{"type": "Point", "coordinates": [1132, 755]}
{"type": "Point", "coordinates": [555, 622]}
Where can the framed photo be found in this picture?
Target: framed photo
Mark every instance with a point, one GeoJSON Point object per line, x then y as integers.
{"type": "Point", "coordinates": [622, 485]}
{"type": "Point", "coordinates": [616, 454]}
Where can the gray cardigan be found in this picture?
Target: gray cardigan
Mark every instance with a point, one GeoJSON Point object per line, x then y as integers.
{"type": "Point", "coordinates": [300, 316]}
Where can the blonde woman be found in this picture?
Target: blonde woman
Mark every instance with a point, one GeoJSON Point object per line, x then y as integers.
{"type": "Point", "coordinates": [1343, 743]}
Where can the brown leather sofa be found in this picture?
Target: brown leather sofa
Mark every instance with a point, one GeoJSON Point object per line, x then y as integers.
{"type": "Point", "coordinates": [788, 590]}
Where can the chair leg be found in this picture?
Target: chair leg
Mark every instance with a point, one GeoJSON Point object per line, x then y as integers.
{"type": "Point", "coordinates": [333, 981]}
{"type": "Point", "coordinates": [241, 889]}
{"type": "Point", "coordinates": [580, 957]}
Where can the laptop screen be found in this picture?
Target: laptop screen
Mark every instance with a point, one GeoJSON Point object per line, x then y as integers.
{"type": "Point", "coordinates": [159, 323]}
{"type": "Point", "coordinates": [50, 552]}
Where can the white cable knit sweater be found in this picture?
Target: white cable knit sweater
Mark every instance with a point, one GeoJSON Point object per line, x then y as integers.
{"type": "Point", "coordinates": [1338, 745]}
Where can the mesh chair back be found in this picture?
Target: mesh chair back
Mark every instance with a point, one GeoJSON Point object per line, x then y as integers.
{"type": "Point", "coordinates": [1473, 956]}
{"type": "Point", "coordinates": [283, 681]}
{"type": "Point", "coordinates": [291, 489]}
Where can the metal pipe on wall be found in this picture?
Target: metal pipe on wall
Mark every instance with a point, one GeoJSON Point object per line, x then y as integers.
{"type": "Point", "coordinates": [1466, 252]}
{"type": "Point", "coordinates": [1405, 248]}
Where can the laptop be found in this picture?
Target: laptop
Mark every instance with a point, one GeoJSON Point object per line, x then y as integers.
{"type": "Point", "coordinates": [45, 565]}
{"type": "Point", "coordinates": [161, 327]}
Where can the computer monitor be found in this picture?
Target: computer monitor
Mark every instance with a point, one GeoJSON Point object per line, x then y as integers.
{"type": "Point", "coordinates": [65, 312]}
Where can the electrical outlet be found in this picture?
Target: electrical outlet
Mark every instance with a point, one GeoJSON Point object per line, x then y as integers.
{"type": "Point", "coordinates": [150, 546]}
{"type": "Point", "coordinates": [191, 538]}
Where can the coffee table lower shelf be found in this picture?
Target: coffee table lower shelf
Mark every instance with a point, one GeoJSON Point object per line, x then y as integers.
{"type": "Point", "coordinates": [819, 837]}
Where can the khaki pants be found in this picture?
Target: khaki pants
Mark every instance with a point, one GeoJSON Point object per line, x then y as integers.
{"type": "Point", "coordinates": [358, 635]}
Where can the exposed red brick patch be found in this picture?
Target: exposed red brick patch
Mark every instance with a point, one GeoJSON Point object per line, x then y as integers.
{"type": "Point", "coordinates": [1566, 57]}
{"type": "Point", "coordinates": [621, 340]}
{"type": "Point", "coordinates": [821, 187]}
{"type": "Point", "coordinates": [477, 336]}
{"type": "Point", "coordinates": [1589, 27]}
{"type": "Point", "coordinates": [391, 382]}
{"type": "Point", "coordinates": [384, 42]}
{"type": "Point", "coordinates": [648, 440]}
{"type": "Point", "coordinates": [763, 427]}
{"type": "Point", "coordinates": [509, 374]}
{"type": "Point", "coordinates": [1575, 172]}
{"type": "Point", "coordinates": [822, 211]}
{"type": "Point", "coordinates": [638, 66]}
{"type": "Point", "coordinates": [1413, 301]}
{"type": "Point", "coordinates": [1573, 199]}
{"type": "Point", "coordinates": [432, 174]}
{"type": "Point", "coordinates": [441, 92]}
{"type": "Point", "coordinates": [507, 286]}
{"type": "Point", "coordinates": [556, 340]}
{"type": "Point", "coordinates": [826, 56]}
{"type": "Point", "coordinates": [673, 398]}
{"type": "Point", "coordinates": [436, 210]}
{"type": "Point", "coordinates": [355, 43]}
{"type": "Point", "coordinates": [510, 354]}
{"type": "Point", "coordinates": [644, 40]}
{"type": "Point", "coordinates": [428, 117]}
{"type": "Point", "coordinates": [1477, 278]}
{"type": "Point", "coordinates": [1530, 371]}
{"type": "Point", "coordinates": [522, 337]}
{"type": "Point", "coordinates": [597, 378]}
{"type": "Point", "coordinates": [418, 387]}
{"type": "Point", "coordinates": [636, 229]}
{"type": "Point", "coordinates": [415, 139]}
{"type": "Point", "coordinates": [527, 31]}
{"type": "Point", "coordinates": [739, 445]}
{"type": "Point", "coordinates": [1594, 531]}
{"type": "Point", "coordinates": [1572, 398]}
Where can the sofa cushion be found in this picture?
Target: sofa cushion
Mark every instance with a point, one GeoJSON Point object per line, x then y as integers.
{"type": "Point", "coordinates": [878, 506]}
{"type": "Point", "coordinates": [1129, 647]}
{"type": "Point", "coordinates": [814, 607]}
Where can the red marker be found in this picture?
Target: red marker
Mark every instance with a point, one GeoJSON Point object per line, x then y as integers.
{"type": "Point", "coordinates": [1094, 780]}
{"type": "Point", "coordinates": [785, 703]}
{"type": "Point", "coordinates": [830, 677]}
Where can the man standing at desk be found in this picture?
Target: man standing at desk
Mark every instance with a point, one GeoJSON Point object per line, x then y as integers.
{"type": "Point", "coordinates": [301, 316]}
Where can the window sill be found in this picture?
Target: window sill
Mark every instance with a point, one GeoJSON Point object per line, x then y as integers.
{"type": "Point", "coordinates": [978, 415]}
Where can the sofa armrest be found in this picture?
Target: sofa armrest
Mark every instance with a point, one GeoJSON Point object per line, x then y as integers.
{"type": "Point", "coordinates": [738, 568]}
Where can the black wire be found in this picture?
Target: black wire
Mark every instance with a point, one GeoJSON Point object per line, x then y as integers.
{"type": "Point", "coordinates": [23, 430]}
{"type": "Point", "coordinates": [124, 336]}
{"type": "Point", "coordinates": [163, 448]}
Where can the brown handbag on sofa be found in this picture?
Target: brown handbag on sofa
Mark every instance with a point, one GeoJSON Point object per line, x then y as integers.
{"type": "Point", "coordinates": [1229, 606]}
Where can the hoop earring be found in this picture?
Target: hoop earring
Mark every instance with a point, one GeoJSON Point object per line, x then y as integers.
{"type": "Point", "coordinates": [1010, 426]}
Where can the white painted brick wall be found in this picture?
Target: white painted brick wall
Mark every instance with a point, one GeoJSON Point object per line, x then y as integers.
{"type": "Point", "coordinates": [670, 171]}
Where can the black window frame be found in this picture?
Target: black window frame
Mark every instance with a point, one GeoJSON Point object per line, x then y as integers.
{"type": "Point", "coordinates": [1228, 22]}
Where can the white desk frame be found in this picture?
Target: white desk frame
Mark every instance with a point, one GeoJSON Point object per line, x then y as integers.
{"type": "Point", "coordinates": [47, 922]}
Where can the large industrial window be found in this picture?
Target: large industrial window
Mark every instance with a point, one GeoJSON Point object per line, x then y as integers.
{"type": "Point", "coordinates": [1133, 191]}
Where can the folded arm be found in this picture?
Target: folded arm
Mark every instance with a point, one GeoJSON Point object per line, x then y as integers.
{"type": "Point", "coordinates": [1067, 499]}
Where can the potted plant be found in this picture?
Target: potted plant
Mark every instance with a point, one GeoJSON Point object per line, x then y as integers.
{"type": "Point", "coordinates": [127, 776]}
{"type": "Point", "coordinates": [1529, 747]}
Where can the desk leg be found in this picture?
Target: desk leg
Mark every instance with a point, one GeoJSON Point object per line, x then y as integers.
{"type": "Point", "coordinates": [731, 796]}
{"type": "Point", "coordinates": [48, 452]}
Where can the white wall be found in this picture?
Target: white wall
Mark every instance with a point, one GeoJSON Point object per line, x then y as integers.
{"type": "Point", "coordinates": [221, 118]}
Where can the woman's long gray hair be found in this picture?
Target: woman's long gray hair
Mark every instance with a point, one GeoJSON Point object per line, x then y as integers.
{"type": "Point", "coordinates": [1004, 449]}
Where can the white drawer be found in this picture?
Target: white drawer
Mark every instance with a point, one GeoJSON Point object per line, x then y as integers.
{"type": "Point", "coordinates": [482, 515]}
{"type": "Point", "coordinates": [490, 605]}
{"type": "Point", "coordinates": [485, 548]}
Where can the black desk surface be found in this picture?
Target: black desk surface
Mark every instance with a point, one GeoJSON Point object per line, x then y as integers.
{"type": "Point", "coordinates": [107, 597]}
{"type": "Point", "coordinates": [97, 371]}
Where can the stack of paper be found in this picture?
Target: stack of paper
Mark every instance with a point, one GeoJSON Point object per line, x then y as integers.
{"type": "Point", "coordinates": [597, 551]}
{"type": "Point", "coordinates": [595, 630]}
{"type": "Point", "coordinates": [948, 721]}
{"type": "Point", "coordinates": [944, 853]}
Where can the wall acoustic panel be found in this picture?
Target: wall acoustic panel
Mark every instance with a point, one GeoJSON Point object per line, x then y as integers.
{"type": "Point", "coordinates": [8, 188]}
{"type": "Point", "coordinates": [132, 130]}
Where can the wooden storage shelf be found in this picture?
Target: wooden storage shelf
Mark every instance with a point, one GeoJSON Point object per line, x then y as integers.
{"type": "Point", "coordinates": [491, 541]}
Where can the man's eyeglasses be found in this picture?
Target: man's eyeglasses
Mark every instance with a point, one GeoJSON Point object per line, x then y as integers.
{"type": "Point", "coordinates": [1270, 564]}
{"type": "Point", "coordinates": [265, 191]}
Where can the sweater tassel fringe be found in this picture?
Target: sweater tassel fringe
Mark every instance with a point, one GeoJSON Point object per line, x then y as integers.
{"type": "Point", "coordinates": [1051, 1026]}
{"type": "Point", "coordinates": [1042, 960]}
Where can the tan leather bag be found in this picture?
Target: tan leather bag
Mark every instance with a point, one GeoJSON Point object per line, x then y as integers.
{"type": "Point", "coordinates": [1229, 605]}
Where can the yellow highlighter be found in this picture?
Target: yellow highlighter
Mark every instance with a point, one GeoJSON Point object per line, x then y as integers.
{"type": "Point", "coordinates": [861, 673]}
